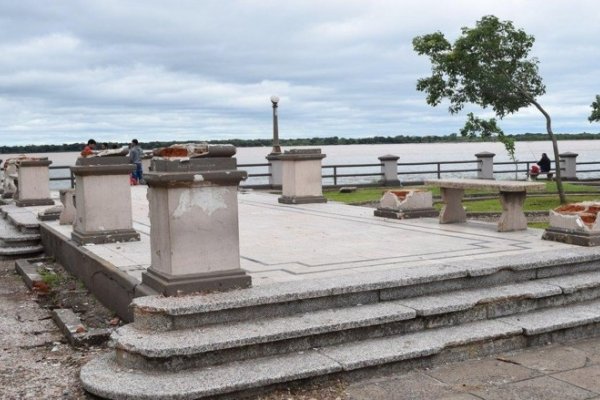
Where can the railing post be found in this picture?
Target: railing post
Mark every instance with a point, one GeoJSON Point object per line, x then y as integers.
{"type": "Point", "coordinates": [439, 170]}
{"type": "Point", "coordinates": [72, 178]}
{"type": "Point", "coordinates": [486, 165]}
{"type": "Point", "coordinates": [276, 171]}
{"type": "Point", "coordinates": [389, 169]}
{"type": "Point", "coordinates": [528, 169]}
{"type": "Point", "coordinates": [334, 176]}
{"type": "Point", "coordinates": [569, 163]}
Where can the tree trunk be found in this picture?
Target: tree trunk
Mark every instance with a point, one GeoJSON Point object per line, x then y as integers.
{"type": "Point", "coordinates": [559, 186]}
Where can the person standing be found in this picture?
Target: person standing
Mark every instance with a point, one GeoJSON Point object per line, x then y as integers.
{"type": "Point", "coordinates": [135, 157]}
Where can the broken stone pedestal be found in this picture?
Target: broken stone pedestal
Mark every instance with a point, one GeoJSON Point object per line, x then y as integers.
{"type": "Point", "coordinates": [194, 233]}
{"type": "Point", "coordinates": [575, 223]}
{"type": "Point", "coordinates": [33, 183]}
{"type": "Point", "coordinates": [402, 204]}
{"type": "Point", "coordinates": [301, 182]}
{"type": "Point", "coordinates": [67, 198]}
{"type": "Point", "coordinates": [103, 209]}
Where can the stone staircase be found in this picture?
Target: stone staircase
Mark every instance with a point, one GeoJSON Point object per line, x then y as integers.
{"type": "Point", "coordinates": [19, 233]}
{"type": "Point", "coordinates": [234, 344]}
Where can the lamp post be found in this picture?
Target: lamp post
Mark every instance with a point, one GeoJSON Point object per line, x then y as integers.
{"type": "Point", "coordinates": [276, 147]}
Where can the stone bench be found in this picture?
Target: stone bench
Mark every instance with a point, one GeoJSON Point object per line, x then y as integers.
{"type": "Point", "coordinates": [549, 175]}
{"type": "Point", "coordinates": [512, 197]}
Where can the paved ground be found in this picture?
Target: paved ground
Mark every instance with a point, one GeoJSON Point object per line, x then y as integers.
{"type": "Point", "coordinates": [283, 243]}
{"type": "Point", "coordinates": [35, 362]}
{"type": "Point", "coordinates": [561, 372]}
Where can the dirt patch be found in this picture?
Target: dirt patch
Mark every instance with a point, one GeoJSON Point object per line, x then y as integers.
{"type": "Point", "coordinates": [311, 391]}
{"type": "Point", "coordinates": [59, 289]}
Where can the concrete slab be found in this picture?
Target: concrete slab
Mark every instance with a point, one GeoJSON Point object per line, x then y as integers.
{"type": "Point", "coordinates": [283, 243]}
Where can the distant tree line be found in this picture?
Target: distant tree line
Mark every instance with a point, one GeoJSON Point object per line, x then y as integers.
{"type": "Point", "coordinates": [316, 141]}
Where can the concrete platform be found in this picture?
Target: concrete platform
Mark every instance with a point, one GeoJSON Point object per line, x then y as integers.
{"type": "Point", "coordinates": [282, 243]}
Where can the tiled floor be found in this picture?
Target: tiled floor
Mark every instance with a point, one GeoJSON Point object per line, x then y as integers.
{"type": "Point", "coordinates": [291, 242]}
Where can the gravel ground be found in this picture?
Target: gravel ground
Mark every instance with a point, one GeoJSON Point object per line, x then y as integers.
{"type": "Point", "coordinates": [35, 361]}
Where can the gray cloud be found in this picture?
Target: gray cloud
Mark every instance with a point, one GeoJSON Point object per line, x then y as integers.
{"type": "Point", "coordinates": [200, 70]}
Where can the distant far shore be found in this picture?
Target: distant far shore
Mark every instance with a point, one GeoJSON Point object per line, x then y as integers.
{"type": "Point", "coordinates": [316, 141]}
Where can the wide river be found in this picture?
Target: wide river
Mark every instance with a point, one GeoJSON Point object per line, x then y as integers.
{"type": "Point", "coordinates": [588, 150]}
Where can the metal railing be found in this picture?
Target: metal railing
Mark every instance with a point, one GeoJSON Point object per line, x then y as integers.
{"type": "Point", "coordinates": [439, 170]}
{"type": "Point", "coordinates": [340, 174]}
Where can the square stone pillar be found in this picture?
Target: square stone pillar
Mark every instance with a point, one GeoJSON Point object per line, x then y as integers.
{"type": "Point", "coordinates": [389, 169]}
{"type": "Point", "coordinates": [486, 165]}
{"type": "Point", "coordinates": [33, 183]}
{"type": "Point", "coordinates": [302, 177]}
{"type": "Point", "coordinates": [103, 201]}
{"type": "Point", "coordinates": [194, 232]}
{"type": "Point", "coordinates": [276, 171]}
{"type": "Point", "coordinates": [569, 163]}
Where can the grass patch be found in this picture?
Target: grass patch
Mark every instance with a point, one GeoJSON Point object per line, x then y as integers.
{"type": "Point", "coordinates": [539, 225]}
{"type": "Point", "coordinates": [364, 195]}
{"type": "Point", "coordinates": [50, 278]}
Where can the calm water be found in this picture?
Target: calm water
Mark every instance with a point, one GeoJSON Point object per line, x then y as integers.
{"type": "Point", "coordinates": [588, 150]}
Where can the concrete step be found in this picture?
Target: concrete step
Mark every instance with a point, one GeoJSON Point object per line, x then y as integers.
{"type": "Point", "coordinates": [106, 378]}
{"type": "Point", "coordinates": [170, 313]}
{"type": "Point", "coordinates": [208, 345]}
{"type": "Point", "coordinates": [21, 251]}
{"type": "Point", "coordinates": [26, 222]}
{"type": "Point", "coordinates": [12, 237]}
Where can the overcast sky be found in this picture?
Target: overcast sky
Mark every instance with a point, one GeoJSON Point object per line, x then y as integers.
{"type": "Point", "coordinates": [193, 70]}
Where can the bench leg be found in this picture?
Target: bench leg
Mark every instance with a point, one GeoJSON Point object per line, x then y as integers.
{"type": "Point", "coordinates": [512, 218]}
{"type": "Point", "coordinates": [453, 210]}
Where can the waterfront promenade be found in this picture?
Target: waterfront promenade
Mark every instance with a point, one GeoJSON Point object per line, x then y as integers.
{"type": "Point", "coordinates": [280, 243]}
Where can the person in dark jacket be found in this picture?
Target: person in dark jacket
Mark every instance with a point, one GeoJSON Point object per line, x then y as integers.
{"type": "Point", "coordinates": [544, 163]}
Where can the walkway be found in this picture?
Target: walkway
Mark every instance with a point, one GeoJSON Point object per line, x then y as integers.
{"type": "Point", "coordinates": [281, 243]}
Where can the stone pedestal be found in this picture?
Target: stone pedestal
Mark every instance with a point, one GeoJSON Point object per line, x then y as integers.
{"type": "Point", "coordinates": [404, 204]}
{"type": "Point", "coordinates": [575, 223]}
{"type": "Point", "coordinates": [67, 198]}
{"type": "Point", "coordinates": [486, 165]}
{"type": "Point", "coordinates": [103, 195]}
{"type": "Point", "coordinates": [389, 169]}
{"type": "Point", "coordinates": [453, 210]}
{"type": "Point", "coordinates": [194, 233]}
{"type": "Point", "coordinates": [276, 171]}
{"type": "Point", "coordinates": [569, 164]}
{"type": "Point", "coordinates": [302, 177]}
{"type": "Point", "coordinates": [33, 183]}
{"type": "Point", "coordinates": [513, 218]}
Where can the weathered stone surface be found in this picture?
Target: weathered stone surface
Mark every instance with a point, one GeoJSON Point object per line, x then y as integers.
{"type": "Point", "coordinates": [421, 344]}
{"type": "Point", "coordinates": [104, 378]}
{"type": "Point", "coordinates": [538, 322]}
{"type": "Point", "coordinates": [572, 283]}
{"type": "Point", "coordinates": [217, 337]}
{"type": "Point", "coordinates": [480, 372]}
{"type": "Point", "coordinates": [465, 299]}
{"type": "Point", "coordinates": [542, 388]}
{"type": "Point", "coordinates": [549, 359]}
{"type": "Point", "coordinates": [504, 186]}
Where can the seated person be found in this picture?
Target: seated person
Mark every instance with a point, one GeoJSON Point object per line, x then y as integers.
{"type": "Point", "coordinates": [544, 163]}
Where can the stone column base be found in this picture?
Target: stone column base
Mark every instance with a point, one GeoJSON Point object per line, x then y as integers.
{"type": "Point", "coordinates": [301, 199]}
{"type": "Point", "coordinates": [390, 183]}
{"type": "Point", "coordinates": [34, 202]}
{"type": "Point", "coordinates": [407, 214]}
{"type": "Point", "coordinates": [571, 237]}
{"type": "Point", "coordinates": [100, 237]}
{"type": "Point", "coordinates": [172, 285]}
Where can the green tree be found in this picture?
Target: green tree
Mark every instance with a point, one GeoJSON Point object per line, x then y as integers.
{"type": "Point", "coordinates": [488, 66]}
{"type": "Point", "coordinates": [595, 115]}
